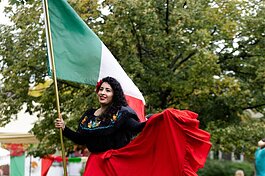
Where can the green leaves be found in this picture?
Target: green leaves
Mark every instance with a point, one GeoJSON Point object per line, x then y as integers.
{"type": "Point", "coordinates": [239, 138]}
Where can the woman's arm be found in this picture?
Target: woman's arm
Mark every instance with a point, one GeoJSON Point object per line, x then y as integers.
{"type": "Point", "coordinates": [133, 121]}
{"type": "Point", "coordinates": [134, 125]}
{"type": "Point", "coordinates": [76, 137]}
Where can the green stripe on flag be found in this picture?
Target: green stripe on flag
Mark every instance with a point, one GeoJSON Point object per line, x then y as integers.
{"type": "Point", "coordinates": [77, 50]}
{"type": "Point", "coordinates": [74, 160]}
{"type": "Point", "coordinates": [17, 165]}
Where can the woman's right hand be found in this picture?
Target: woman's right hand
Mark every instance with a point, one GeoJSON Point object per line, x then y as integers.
{"type": "Point", "coordinates": [59, 123]}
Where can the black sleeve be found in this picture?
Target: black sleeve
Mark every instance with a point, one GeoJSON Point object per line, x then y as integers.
{"type": "Point", "coordinates": [134, 125]}
{"type": "Point", "coordinates": [76, 137]}
{"type": "Point", "coordinates": [132, 122]}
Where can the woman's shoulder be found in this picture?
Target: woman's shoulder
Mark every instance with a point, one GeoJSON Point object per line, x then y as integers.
{"type": "Point", "coordinates": [127, 110]}
{"type": "Point", "coordinates": [88, 113]}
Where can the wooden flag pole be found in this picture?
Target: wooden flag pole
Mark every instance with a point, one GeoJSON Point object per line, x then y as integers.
{"type": "Point", "coordinates": [50, 49]}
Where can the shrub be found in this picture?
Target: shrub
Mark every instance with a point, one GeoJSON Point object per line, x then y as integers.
{"type": "Point", "coordinates": [226, 168]}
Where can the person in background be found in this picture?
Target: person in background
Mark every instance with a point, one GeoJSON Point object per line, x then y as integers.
{"type": "Point", "coordinates": [259, 158]}
{"type": "Point", "coordinates": [261, 143]}
{"type": "Point", "coordinates": [239, 173]}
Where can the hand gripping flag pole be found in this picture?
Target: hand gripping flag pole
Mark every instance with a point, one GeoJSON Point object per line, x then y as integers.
{"type": "Point", "coordinates": [51, 57]}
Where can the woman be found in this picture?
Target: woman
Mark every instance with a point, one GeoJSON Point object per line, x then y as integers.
{"type": "Point", "coordinates": [111, 126]}
{"type": "Point", "coordinates": [170, 142]}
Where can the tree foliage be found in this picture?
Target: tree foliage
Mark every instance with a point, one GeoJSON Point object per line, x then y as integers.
{"type": "Point", "coordinates": [203, 55]}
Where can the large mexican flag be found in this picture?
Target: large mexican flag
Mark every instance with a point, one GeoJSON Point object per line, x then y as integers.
{"type": "Point", "coordinates": [80, 56]}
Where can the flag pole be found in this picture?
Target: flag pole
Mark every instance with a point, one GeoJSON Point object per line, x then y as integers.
{"type": "Point", "coordinates": [50, 50]}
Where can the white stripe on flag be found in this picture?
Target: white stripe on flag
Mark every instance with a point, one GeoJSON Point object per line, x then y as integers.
{"type": "Point", "coordinates": [110, 67]}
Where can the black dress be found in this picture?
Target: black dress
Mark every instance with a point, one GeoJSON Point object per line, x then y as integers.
{"type": "Point", "coordinates": [100, 134]}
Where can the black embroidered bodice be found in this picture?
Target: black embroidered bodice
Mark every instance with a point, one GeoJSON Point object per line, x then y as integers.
{"type": "Point", "coordinates": [100, 134]}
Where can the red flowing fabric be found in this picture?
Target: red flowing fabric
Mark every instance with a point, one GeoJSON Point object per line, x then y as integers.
{"type": "Point", "coordinates": [171, 144]}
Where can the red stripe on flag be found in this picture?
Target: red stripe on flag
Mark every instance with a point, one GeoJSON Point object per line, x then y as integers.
{"type": "Point", "coordinates": [137, 105]}
{"type": "Point", "coordinates": [45, 165]}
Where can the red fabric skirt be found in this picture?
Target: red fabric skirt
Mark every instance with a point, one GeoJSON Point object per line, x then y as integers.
{"type": "Point", "coordinates": [171, 144]}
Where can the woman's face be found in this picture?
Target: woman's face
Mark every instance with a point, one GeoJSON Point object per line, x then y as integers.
{"type": "Point", "coordinates": [105, 94]}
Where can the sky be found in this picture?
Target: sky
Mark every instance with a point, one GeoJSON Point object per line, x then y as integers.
{"type": "Point", "coordinates": [23, 124]}
{"type": "Point", "coordinates": [25, 121]}
{"type": "Point", "coordinates": [3, 19]}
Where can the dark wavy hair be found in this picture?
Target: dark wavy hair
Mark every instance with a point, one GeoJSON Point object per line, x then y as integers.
{"type": "Point", "coordinates": [118, 99]}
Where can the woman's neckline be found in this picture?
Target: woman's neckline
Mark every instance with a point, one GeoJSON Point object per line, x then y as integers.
{"type": "Point", "coordinates": [98, 112]}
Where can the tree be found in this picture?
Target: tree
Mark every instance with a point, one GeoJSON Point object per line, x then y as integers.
{"type": "Point", "coordinates": [205, 56]}
{"type": "Point", "coordinates": [24, 65]}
